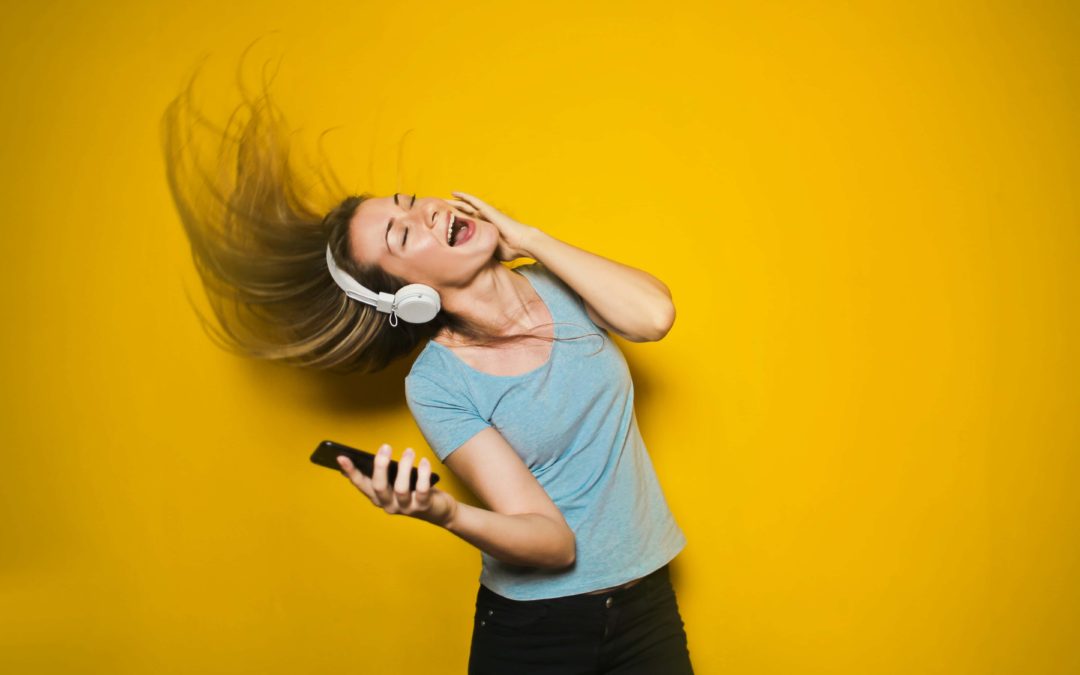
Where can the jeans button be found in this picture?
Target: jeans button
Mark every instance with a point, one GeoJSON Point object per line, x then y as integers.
{"type": "Point", "coordinates": [490, 612]}
{"type": "Point", "coordinates": [609, 602]}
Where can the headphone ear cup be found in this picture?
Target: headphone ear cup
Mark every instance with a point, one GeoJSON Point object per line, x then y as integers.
{"type": "Point", "coordinates": [417, 303]}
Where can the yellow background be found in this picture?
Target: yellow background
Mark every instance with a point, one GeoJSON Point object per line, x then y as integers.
{"type": "Point", "coordinates": [864, 419]}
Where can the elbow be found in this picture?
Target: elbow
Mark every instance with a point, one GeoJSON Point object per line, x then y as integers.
{"type": "Point", "coordinates": [565, 553]}
{"type": "Point", "coordinates": [660, 325]}
{"type": "Point", "coordinates": [664, 318]}
{"type": "Point", "coordinates": [664, 321]}
{"type": "Point", "coordinates": [568, 555]}
{"type": "Point", "coordinates": [570, 550]}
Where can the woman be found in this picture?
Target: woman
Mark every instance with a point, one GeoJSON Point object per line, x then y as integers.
{"type": "Point", "coordinates": [518, 387]}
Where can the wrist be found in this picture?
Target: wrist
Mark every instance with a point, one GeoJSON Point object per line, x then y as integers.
{"type": "Point", "coordinates": [530, 241]}
{"type": "Point", "coordinates": [450, 521]}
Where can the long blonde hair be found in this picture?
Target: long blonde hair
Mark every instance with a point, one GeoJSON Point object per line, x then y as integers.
{"type": "Point", "coordinates": [258, 239]}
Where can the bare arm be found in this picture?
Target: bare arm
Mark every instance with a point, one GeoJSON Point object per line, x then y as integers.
{"type": "Point", "coordinates": [524, 526]}
{"type": "Point", "coordinates": [527, 539]}
{"type": "Point", "coordinates": [619, 298]}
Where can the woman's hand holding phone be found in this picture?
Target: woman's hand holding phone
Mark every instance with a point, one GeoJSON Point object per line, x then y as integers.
{"type": "Point", "coordinates": [425, 502]}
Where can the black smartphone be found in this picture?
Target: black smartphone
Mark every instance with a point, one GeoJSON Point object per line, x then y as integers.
{"type": "Point", "coordinates": [326, 454]}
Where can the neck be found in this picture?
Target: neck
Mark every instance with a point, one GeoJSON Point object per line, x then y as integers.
{"type": "Point", "coordinates": [497, 300]}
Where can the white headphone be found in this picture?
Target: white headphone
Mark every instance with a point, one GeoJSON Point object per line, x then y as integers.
{"type": "Point", "coordinates": [415, 303]}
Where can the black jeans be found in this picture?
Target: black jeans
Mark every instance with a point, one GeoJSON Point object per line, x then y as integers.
{"type": "Point", "coordinates": [636, 630]}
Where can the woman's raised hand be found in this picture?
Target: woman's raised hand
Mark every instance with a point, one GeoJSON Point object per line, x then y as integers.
{"type": "Point", "coordinates": [425, 502]}
{"type": "Point", "coordinates": [513, 236]}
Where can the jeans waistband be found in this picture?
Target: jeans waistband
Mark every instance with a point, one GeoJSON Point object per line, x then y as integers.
{"type": "Point", "coordinates": [641, 588]}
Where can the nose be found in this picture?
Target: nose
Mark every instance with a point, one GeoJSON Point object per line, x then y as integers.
{"type": "Point", "coordinates": [430, 215]}
{"type": "Point", "coordinates": [427, 212]}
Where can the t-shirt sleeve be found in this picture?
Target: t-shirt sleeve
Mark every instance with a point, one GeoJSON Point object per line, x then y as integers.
{"type": "Point", "coordinates": [446, 419]}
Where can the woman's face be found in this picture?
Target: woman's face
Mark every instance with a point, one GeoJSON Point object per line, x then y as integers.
{"type": "Point", "coordinates": [408, 237]}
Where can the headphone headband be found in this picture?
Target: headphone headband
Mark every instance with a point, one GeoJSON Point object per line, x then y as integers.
{"type": "Point", "coordinates": [384, 302]}
{"type": "Point", "coordinates": [415, 303]}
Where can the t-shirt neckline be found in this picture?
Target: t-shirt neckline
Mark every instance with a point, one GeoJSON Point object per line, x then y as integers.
{"type": "Point", "coordinates": [542, 366]}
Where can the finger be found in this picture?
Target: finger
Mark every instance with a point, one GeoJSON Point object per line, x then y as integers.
{"type": "Point", "coordinates": [348, 468]}
{"type": "Point", "coordinates": [463, 205]}
{"type": "Point", "coordinates": [475, 201]}
{"type": "Point", "coordinates": [356, 477]}
{"type": "Point", "coordinates": [402, 489]}
{"type": "Point", "coordinates": [483, 209]}
{"type": "Point", "coordinates": [422, 495]}
{"type": "Point", "coordinates": [378, 478]}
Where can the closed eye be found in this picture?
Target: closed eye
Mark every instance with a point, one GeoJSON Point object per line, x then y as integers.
{"type": "Point", "coordinates": [406, 234]}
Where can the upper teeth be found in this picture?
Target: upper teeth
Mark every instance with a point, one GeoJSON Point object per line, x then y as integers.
{"type": "Point", "coordinates": [450, 228]}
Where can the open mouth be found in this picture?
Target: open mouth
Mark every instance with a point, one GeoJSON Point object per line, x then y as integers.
{"type": "Point", "coordinates": [460, 230]}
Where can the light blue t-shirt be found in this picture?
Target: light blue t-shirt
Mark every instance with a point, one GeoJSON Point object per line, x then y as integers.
{"type": "Point", "coordinates": [572, 422]}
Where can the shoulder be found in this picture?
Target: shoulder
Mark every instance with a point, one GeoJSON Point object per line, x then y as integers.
{"type": "Point", "coordinates": [431, 368]}
{"type": "Point", "coordinates": [554, 289]}
{"type": "Point", "coordinates": [545, 281]}
{"type": "Point", "coordinates": [431, 361]}
{"type": "Point", "coordinates": [537, 271]}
